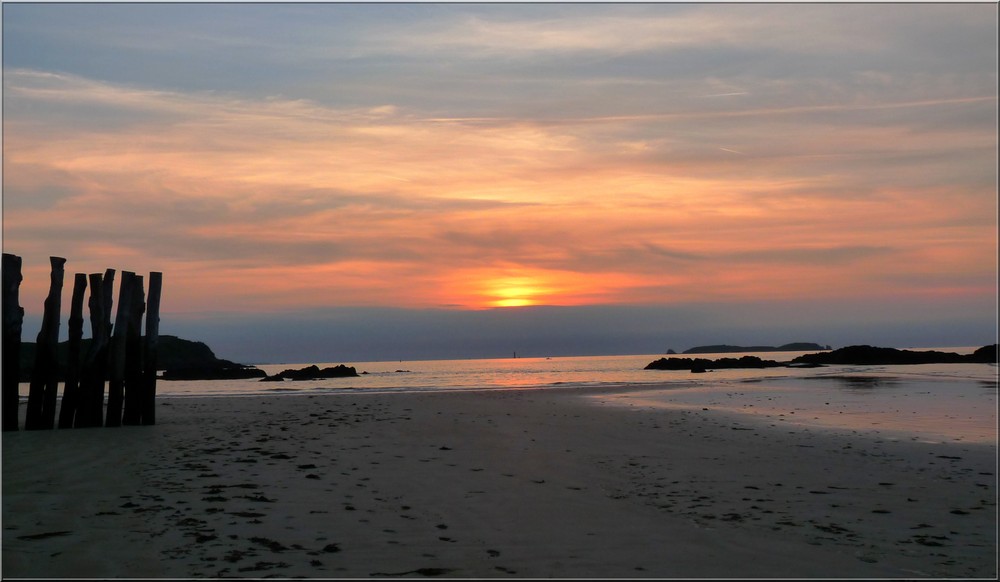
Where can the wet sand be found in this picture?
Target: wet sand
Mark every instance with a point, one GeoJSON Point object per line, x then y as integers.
{"type": "Point", "coordinates": [938, 410]}
{"type": "Point", "coordinates": [489, 484]}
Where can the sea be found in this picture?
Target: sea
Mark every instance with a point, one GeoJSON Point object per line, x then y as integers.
{"type": "Point", "coordinates": [939, 402]}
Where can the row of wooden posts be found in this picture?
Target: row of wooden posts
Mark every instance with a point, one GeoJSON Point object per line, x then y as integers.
{"type": "Point", "coordinates": [117, 354]}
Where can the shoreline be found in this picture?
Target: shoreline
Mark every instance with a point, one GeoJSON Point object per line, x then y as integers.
{"type": "Point", "coordinates": [511, 483]}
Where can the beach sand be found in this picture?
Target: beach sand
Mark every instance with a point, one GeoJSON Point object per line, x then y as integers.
{"type": "Point", "coordinates": [533, 483]}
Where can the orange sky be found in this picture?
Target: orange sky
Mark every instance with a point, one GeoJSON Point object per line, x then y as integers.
{"type": "Point", "coordinates": [355, 209]}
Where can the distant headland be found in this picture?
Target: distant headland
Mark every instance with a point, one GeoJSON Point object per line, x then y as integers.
{"type": "Point", "coordinates": [727, 349]}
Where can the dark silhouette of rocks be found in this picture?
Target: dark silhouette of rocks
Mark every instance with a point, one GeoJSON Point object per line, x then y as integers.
{"type": "Point", "coordinates": [182, 359]}
{"type": "Point", "coordinates": [869, 355]}
{"type": "Point", "coordinates": [178, 358]}
{"type": "Point", "coordinates": [851, 355]}
{"type": "Point", "coordinates": [222, 372]}
{"type": "Point", "coordinates": [985, 355]}
{"type": "Point", "coordinates": [698, 365]}
{"type": "Point", "coordinates": [727, 349]}
{"type": "Point", "coordinates": [312, 372]}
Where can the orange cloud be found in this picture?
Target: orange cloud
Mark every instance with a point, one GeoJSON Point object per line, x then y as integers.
{"type": "Point", "coordinates": [270, 204]}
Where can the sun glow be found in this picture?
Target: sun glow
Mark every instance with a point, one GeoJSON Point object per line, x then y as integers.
{"type": "Point", "coordinates": [513, 302]}
{"type": "Point", "coordinates": [519, 286]}
{"type": "Point", "coordinates": [516, 292]}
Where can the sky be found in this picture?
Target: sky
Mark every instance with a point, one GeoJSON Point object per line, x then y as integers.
{"type": "Point", "coordinates": [363, 181]}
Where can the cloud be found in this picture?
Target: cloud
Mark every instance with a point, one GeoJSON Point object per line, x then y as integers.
{"type": "Point", "coordinates": [530, 31]}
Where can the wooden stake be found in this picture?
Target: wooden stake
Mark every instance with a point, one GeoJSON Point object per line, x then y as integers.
{"type": "Point", "coordinates": [150, 361]}
{"type": "Point", "coordinates": [134, 385]}
{"type": "Point", "coordinates": [109, 288]}
{"type": "Point", "coordinates": [41, 413]}
{"type": "Point", "coordinates": [95, 364]}
{"type": "Point", "coordinates": [71, 385]}
{"type": "Point", "coordinates": [116, 365]}
{"type": "Point", "coordinates": [13, 318]}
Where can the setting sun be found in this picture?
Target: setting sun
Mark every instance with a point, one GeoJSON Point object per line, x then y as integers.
{"type": "Point", "coordinates": [514, 286]}
{"type": "Point", "coordinates": [516, 292]}
{"type": "Point", "coordinates": [517, 286]}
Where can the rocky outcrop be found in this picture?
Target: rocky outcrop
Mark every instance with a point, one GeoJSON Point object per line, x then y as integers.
{"type": "Point", "coordinates": [985, 355]}
{"type": "Point", "coordinates": [312, 373]}
{"type": "Point", "coordinates": [870, 355]}
{"type": "Point", "coordinates": [182, 359]}
{"type": "Point", "coordinates": [701, 365]}
{"type": "Point", "coordinates": [850, 355]}
{"type": "Point", "coordinates": [217, 372]}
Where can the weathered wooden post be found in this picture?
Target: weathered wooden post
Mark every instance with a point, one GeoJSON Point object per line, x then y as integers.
{"type": "Point", "coordinates": [13, 318]}
{"type": "Point", "coordinates": [95, 364]}
{"type": "Point", "coordinates": [117, 352]}
{"type": "Point", "coordinates": [134, 385]}
{"type": "Point", "coordinates": [109, 288]}
{"type": "Point", "coordinates": [41, 413]}
{"type": "Point", "coordinates": [150, 361]}
{"type": "Point", "coordinates": [71, 384]}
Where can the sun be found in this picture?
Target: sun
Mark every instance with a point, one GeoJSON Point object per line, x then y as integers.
{"type": "Point", "coordinates": [513, 302]}
{"type": "Point", "coordinates": [504, 286]}
{"type": "Point", "coordinates": [515, 292]}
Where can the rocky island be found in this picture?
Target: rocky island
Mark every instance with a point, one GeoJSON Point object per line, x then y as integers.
{"type": "Point", "coordinates": [312, 373]}
{"type": "Point", "coordinates": [870, 355]}
{"type": "Point", "coordinates": [727, 349]}
{"type": "Point", "coordinates": [698, 365]}
{"type": "Point", "coordinates": [850, 355]}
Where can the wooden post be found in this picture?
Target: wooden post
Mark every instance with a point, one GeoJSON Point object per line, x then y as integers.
{"type": "Point", "coordinates": [116, 365]}
{"type": "Point", "coordinates": [101, 362]}
{"type": "Point", "coordinates": [150, 360]}
{"type": "Point", "coordinates": [95, 365]}
{"type": "Point", "coordinates": [109, 288]}
{"type": "Point", "coordinates": [44, 379]}
{"type": "Point", "coordinates": [13, 318]}
{"type": "Point", "coordinates": [71, 385]}
{"type": "Point", "coordinates": [134, 385]}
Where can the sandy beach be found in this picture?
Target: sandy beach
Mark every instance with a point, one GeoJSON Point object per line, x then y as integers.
{"type": "Point", "coordinates": [533, 483]}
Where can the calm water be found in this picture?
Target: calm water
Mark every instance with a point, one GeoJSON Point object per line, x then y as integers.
{"type": "Point", "coordinates": [936, 401]}
{"type": "Point", "coordinates": [512, 373]}
{"type": "Point", "coordinates": [523, 373]}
